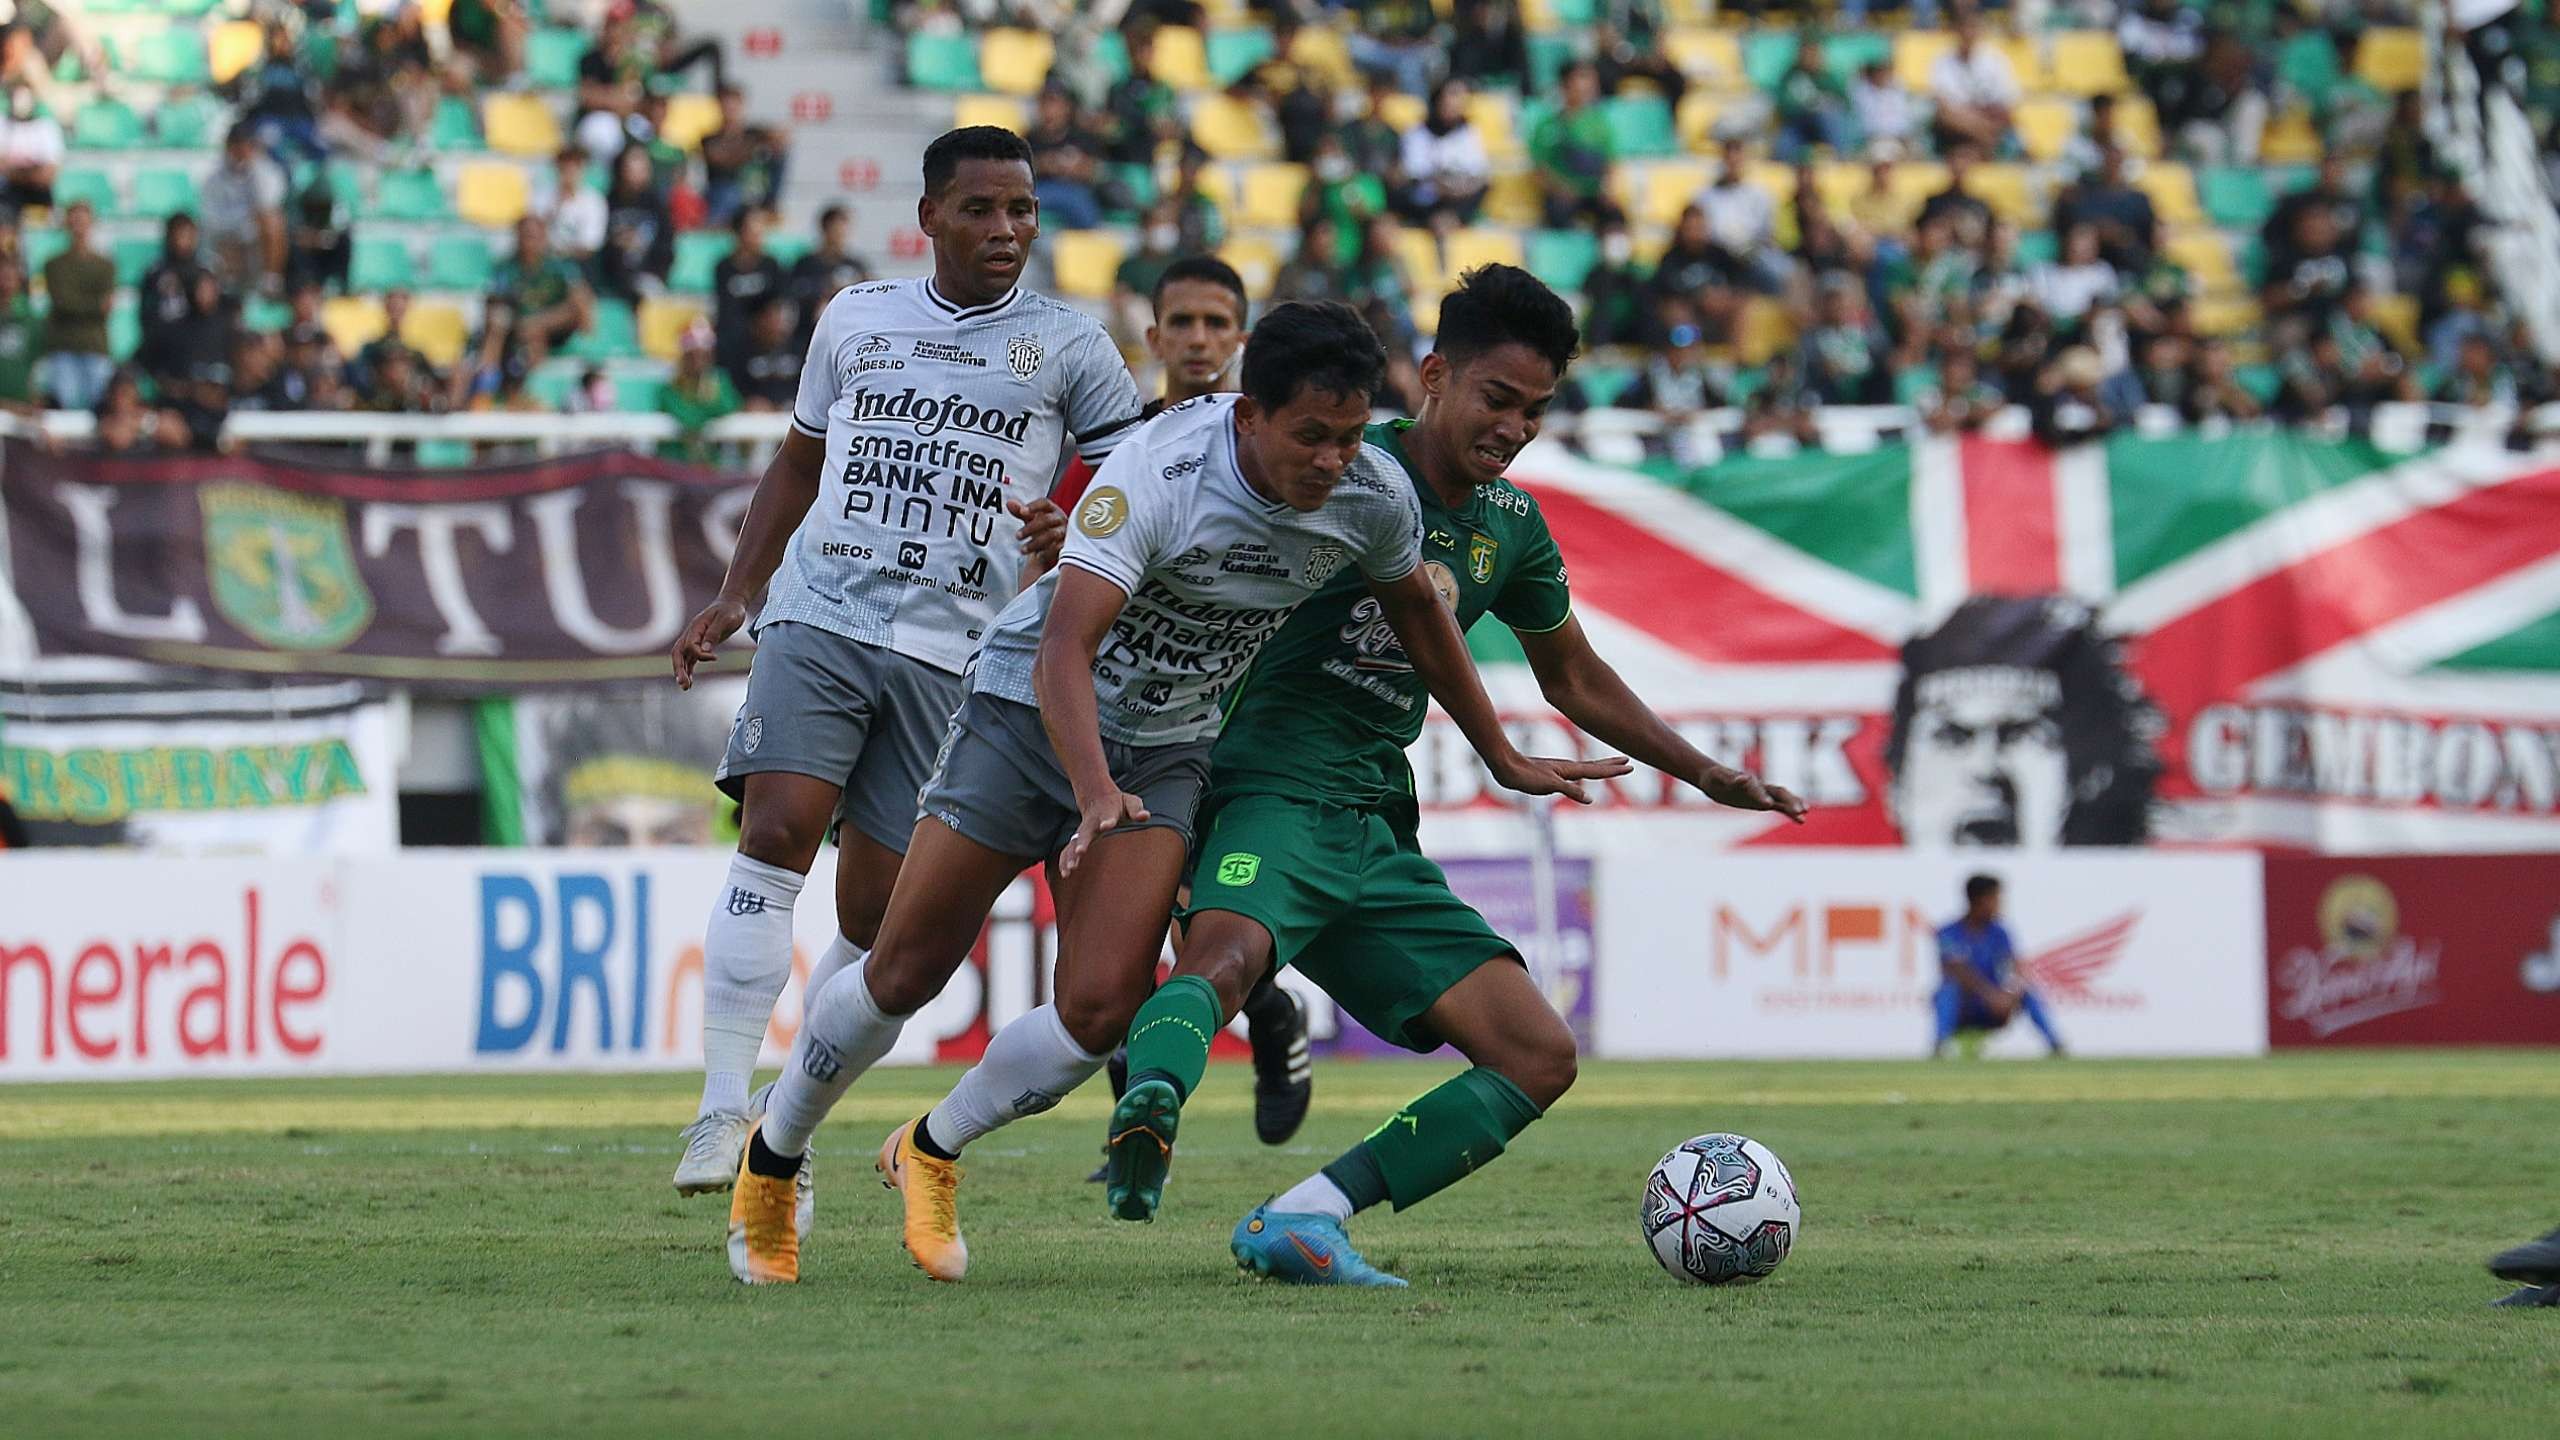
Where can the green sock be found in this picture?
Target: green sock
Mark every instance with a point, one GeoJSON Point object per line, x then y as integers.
{"type": "Point", "coordinates": [1169, 1038]}
{"type": "Point", "coordinates": [1436, 1141]}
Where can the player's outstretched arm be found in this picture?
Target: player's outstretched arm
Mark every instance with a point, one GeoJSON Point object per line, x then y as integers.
{"type": "Point", "coordinates": [1588, 691]}
{"type": "Point", "coordinates": [782, 499]}
{"type": "Point", "coordinates": [1080, 614]}
{"type": "Point", "coordinates": [1439, 654]}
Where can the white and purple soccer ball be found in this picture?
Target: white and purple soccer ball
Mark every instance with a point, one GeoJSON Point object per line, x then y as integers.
{"type": "Point", "coordinates": [1721, 1210]}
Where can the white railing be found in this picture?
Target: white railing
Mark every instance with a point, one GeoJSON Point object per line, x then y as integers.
{"type": "Point", "coordinates": [2477, 123]}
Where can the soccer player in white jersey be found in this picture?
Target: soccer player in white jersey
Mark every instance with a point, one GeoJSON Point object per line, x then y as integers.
{"type": "Point", "coordinates": [1086, 735]}
{"type": "Point", "coordinates": [929, 430]}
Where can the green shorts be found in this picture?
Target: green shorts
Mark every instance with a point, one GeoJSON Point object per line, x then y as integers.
{"type": "Point", "coordinates": [1348, 899]}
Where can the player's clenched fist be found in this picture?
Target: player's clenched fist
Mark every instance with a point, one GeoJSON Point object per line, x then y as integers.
{"type": "Point", "coordinates": [701, 639]}
{"type": "Point", "coordinates": [1044, 534]}
{"type": "Point", "coordinates": [1105, 814]}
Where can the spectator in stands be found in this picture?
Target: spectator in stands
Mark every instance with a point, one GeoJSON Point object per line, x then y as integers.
{"type": "Point", "coordinates": [548, 297]}
{"type": "Point", "coordinates": [2218, 393]}
{"type": "Point", "coordinates": [1974, 89]}
{"type": "Point", "coordinates": [1487, 44]}
{"type": "Point", "coordinates": [2307, 276]}
{"type": "Point", "coordinates": [1844, 353]}
{"type": "Point", "coordinates": [766, 369]}
{"type": "Point", "coordinates": [1142, 114]}
{"type": "Point", "coordinates": [829, 267]}
{"type": "Point", "coordinates": [2478, 378]}
{"type": "Point", "coordinates": [1302, 104]}
{"type": "Point", "coordinates": [1967, 214]}
{"type": "Point", "coordinates": [1373, 141]}
{"type": "Point", "coordinates": [395, 315]}
{"type": "Point", "coordinates": [1695, 267]}
{"type": "Point", "coordinates": [128, 425]}
{"type": "Point", "coordinates": [319, 240]}
{"type": "Point", "coordinates": [2083, 153]}
{"type": "Point", "coordinates": [1066, 164]}
{"type": "Point", "coordinates": [1678, 381]}
{"type": "Point", "coordinates": [1204, 224]}
{"type": "Point", "coordinates": [1311, 271]}
{"type": "Point", "coordinates": [1782, 408]}
{"type": "Point", "coordinates": [253, 370]}
{"type": "Point", "coordinates": [1881, 210]}
{"type": "Point", "coordinates": [1444, 164]}
{"type": "Point", "coordinates": [2160, 39]}
{"type": "Point", "coordinates": [21, 340]}
{"type": "Point", "coordinates": [34, 40]}
{"type": "Point", "coordinates": [572, 211]}
{"type": "Point", "coordinates": [1573, 149]}
{"type": "Point", "coordinates": [1959, 398]}
{"type": "Point", "coordinates": [612, 77]}
{"type": "Point", "coordinates": [1342, 194]}
{"type": "Point", "coordinates": [488, 39]}
{"type": "Point", "coordinates": [2127, 226]}
{"type": "Point", "coordinates": [640, 231]}
{"type": "Point", "coordinates": [1615, 308]}
{"type": "Point", "coordinates": [1397, 40]}
{"type": "Point", "coordinates": [190, 366]}
{"type": "Point", "coordinates": [2218, 106]}
{"type": "Point", "coordinates": [1626, 43]}
{"type": "Point", "coordinates": [1375, 282]}
{"type": "Point", "coordinates": [79, 284]}
{"type": "Point", "coordinates": [1824, 248]}
{"type": "Point", "coordinates": [385, 91]}
{"type": "Point", "coordinates": [31, 148]}
{"type": "Point", "coordinates": [400, 383]}
{"type": "Point", "coordinates": [242, 207]}
{"type": "Point", "coordinates": [1885, 115]}
{"type": "Point", "coordinates": [1811, 109]}
{"type": "Point", "coordinates": [742, 163]}
{"type": "Point", "coordinates": [654, 33]}
{"type": "Point", "coordinates": [2075, 280]}
{"type": "Point", "coordinates": [741, 284]}
{"type": "Point", "coordinates": [2166, 374]}
{"type": "Point", "coordinates": [2378, 373]}
{"type": "Point", "coordinates": [1742, 225]}
{"type": "Point", "coordinates": [169, 286]}
{"type": "Point", "coordinates": [279, 101]}
{"type": "Point", "coordinates": [698, 393]}
{"type": "Point", "coordinates": [2068, 407]}
{"type": "Point", "coordinates": [1133, 284]}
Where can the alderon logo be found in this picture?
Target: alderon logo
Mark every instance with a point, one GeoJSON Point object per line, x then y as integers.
{"type": "Point", "coordinates": [229, 991]}
{"type": "Point", "coordinates": [2364, 970]}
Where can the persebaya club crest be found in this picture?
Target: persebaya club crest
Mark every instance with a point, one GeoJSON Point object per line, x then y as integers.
{"type": "Point", "coordinates": [281, 568]}
{"type": "Point", "coordinates": [1480, 557]}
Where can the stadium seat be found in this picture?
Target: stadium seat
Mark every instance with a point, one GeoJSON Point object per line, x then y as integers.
{"type": "Point", "coordinates": [615, 335]}
{"type": "Point", "coordinates": [1712, 57]}
{"type": "Point", "coordinates": [2045, 128]}
{"type": "Point", "coordinates": [455, 127]}
{"type": "Point", "coordinates": [1641, 125]}
{"type": "Point", "coordinates": [1419, 250]}
{"type": "Point", "coordinates": [134, 256]}
{"type": "Point", "coordinates": [2226, 315]}
{"type": "Point", "coordinates": [2307, 63]}
{"type": "Point", "coordinates": [459, 262]}
{"type": "Point", "coordinates": [93, 186]}
{"type": "Point", "coordinates": [697, 262]}
{"type": "Point", "coordinates": [1512, 199]}
{"type": "Point", "coordinates": [689, 118]}
{"type": "Point", "coordinates": [638, 392]}
{"type": "Point", "coordinates": [2391, 60]}
{"type": "Point", "coordinates": [40, 246]}
{"type": "Point", "coordinates": [1765, 330]}
{"type": "Point", "coordinates": [1915, 54]}
{"type": "Point", "coordinates": [2396, 316]}
{"type": "Point", "coordinates": [490, 193]}
{"type": "Point", "coordinates": [551, 57]}
{"type": "Point", "coordinates": [174, 56]}
{"type": "Point", "coordinates": [1254, 259]}
{"type": "Point", "coordinates": [2088, 62]}
{"type": "Point", "coordinates": [1267, 195]}
{"type": "Point", "coordinates": [124, 327]}
{"type": "Point", "coordinates": [1326, 53]}
{"type": "Point", "coordinates": [787, 250]}
{"type": "Point", "coordinates": [1492, 117]}
{"type": "Point", "coordinates": [191, 124]}
{"type": "Point", "coordinates": [235, 47]}
{"type": "Point", "coordinates": [1232, 54]}
{"type": "Point", "coordinates": [2138, 127]}
{"type": "Point", "coordinates": [2207, 257]}
{"type": "Point", "coordinates": [1697, 120]}
{"type": "Point", "coordinates": [2291, 139]}
{"type": "Point", "coordinates": [523, 125]}
{"type": "Point", "coordinates": [943, 62]}
{"type": "Point", "coordinates": [1086, 261]}
{"type": "Point", "coordinates": [1182, 59]}
{"type": "Point", "coordinates": [1230, 129]}
{"type": "Point", "coordinates": [2236, 196]}
{"type": "Point", "coordinates": [1556, 14]}
{"type": "Point", "coordinates": [353, 322]}
{"type": "Point", "coordinates": [380, 262]}
{"type": "Point", "coordinates": [436, 331]}
{"type": "Point", "coordinates": [1548, 55]}
{"type": "Point", "coordinates": [1002, 111]}
{"type": "Point", "coordinates": [2172, 189]}
{"type": "Point", "coordinates": [663, 321]}
{"type": "Point", "coordinates": [551, 384]}
{"type": "Point", "coordinates": [159, 193]}
{"type": "Point", "coordinates": [2005, 189]}
{"type": "Point", "coordinates": [262, 316]}
{"type": "Point", "coordinates": [106, 125]}
{"type": "Point", "coordinates": [1562, 258]}
{"type": "Point", "coordinates": [1402, 112]}
{"type": "Point", "coordinates": [1015, 62]}
{"type": "Point", "coordinates": [2038, 247]}
{"type": "Point", "coordinates": [1767, 56]}
{"type": "Point", "coordinates": [1476, 245]}
{"type": "Point", "coordinates": [1845, 55]}
{"type": "Point", "coordinates": [2026, 62]}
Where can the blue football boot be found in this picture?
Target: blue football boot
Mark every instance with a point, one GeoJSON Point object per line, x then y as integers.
{"type": "Point", "coordinates": [1302, 1250]}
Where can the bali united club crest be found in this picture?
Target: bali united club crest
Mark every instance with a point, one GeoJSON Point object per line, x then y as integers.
{"type": "Point", "coordinates": [1323, 562]}
{"type": "Point", "coordinates": [1022, 354]}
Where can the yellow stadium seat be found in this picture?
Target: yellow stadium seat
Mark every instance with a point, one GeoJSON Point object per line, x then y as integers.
{"type": "Point", "coordinates": [353, 322]}
{"type": "Point", "coordinates": [2291, 139]}
{"type": "Point", "coordinates": [1696, 121]}
{"type": "Point", "coordinates": [1915, 54]}
{"type": "Point", "coordinates": [1256, 262]}
{"type": "Point", "coordinates": [491, 194]}
{"type": "Point", "coordinates": [1402, 111]}
{"type": "Point", "coordinates": [2045, 127]}
{"type": "Point", "coordinates": [1711, 57]}
{"type": "Point", "coordinates": [2391, 60]}
{"type": "Point", "coordinates": [2026, 62]}
{"type": "Point", "coordinates": [1496, 127]}
{"type": "Point", "coordinates": [1513, 199]}
{"type": "Point", "coordinates": [1766, 329]}
{"type": "Point", "coordinates": [2088, 62]}
{"type": "Point", "coordinates": [1839, 183]}
{"type": "Point", "coordinates": [1086, 262]}
{"type": "Point", "coordinates": [2004, 188]}
{"type": "Point", "coordinates": [436, 13]}
{"type": "Point", "coordinates": [1662, 190]}
{"type": "Point", "coordinates": [520, 125]}
{"type": "Point", "coordinates": [1015, 62]}
{"type": "Point", "coordinates": [2226, 315]}
{"type": "Point", "coordinates": [1914, 181]}
{"type": "Point", "coordinates": [689, 118]}
{"type": "Point", "coordinates": [235, 47]}
{"type": "Point", "coordinates": [1182, 58]}
{"type": "Point", "coordinates": [1002, 111]}
{"type": "Point", "coordinates": [663, 321]}
{"type": "Point", "coordinates": [436, 331]}
{"type": "Point", "coordinates": [1473, 247]}
{"type": "Point", "coordinates": [1268, 195]}
{"type": "Point", "coordinates": [1228, 12]}
{"type": "Point", "coordinates": [1420, 251]}
{"type": "Point", "coordinates": [2172, 189]}
{"type": "Point", "coordinates": [2207, 256]}
{"type": "Point", "coordinates": [1231, 129]}
{"type": "Point", "coordinates": [1779, 180]}
{"type": "Point", "coordinates": [2396, 316]}
{"type": "Point", "coordinates": [2138, 127]}
{"type": "Point", "coordinates": [1324, 51]}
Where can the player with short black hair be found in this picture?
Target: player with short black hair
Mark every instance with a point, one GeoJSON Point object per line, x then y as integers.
{"type": "Point", "coordinates": [1308, 855]}
{"type": "Point", "coordinates": [1980, 989]}
{"type": "Point", "coordinates": [1085, 736]}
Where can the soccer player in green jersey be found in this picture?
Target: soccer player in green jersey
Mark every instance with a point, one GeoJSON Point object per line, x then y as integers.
{"type": "Point", "coordinates": [1308, 853]}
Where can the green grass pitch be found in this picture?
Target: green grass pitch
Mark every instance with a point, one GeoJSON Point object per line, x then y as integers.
{"type": "Point", "coordinates": [2284, 1247]}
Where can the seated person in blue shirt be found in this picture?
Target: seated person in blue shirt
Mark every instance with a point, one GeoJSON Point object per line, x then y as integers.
{"type": "Point", "coordinates": [1980, 989]}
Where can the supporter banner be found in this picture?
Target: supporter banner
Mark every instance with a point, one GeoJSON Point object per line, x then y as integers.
{"type": "Point", "coordinates": [568, 570]}
{"type": "Point", "coordinates": [2256, 638]}
{"type": "Point", "coordinates": [2404, 950]}
{"type": "Point", "coordinates": [626, 764]}
{"type": "Point", "coordinates": [291, 770]}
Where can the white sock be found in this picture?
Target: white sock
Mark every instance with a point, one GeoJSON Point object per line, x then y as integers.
{"type": "Point", "coordinates": [844, 1035]}
{"type": "Point", "coordinates": [746, 957]}
{"type": "Point", "coordinates": [840, 953]}
{"type": "Point", "coordinates": [1315, 1195]}
{"type": "Point", "coordinates": [1029, 1066]}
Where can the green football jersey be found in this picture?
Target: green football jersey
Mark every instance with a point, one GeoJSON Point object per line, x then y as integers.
{"type": "Point", "coordinates": [1332, 702]}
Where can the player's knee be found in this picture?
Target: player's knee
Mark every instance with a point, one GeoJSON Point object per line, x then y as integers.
{"type": "Point", "coordinates": [1543, 1066]}
{"type": "Point", "coordinates": [1097, 1013]}
{"type": "Point", "coordinates": [1229, 971]}
{"type": "Point", "coordinates": [773, 835]}
{"type": "Point", "coordinates": [900, 983]}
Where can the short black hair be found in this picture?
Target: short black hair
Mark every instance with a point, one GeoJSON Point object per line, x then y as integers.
{"type": "Point", "coordinates": [970, 142]}
{"type": "Point", "coordinates": [1497, 305]}
{"type": "Point", "coordinates": [831, 215]}
{"type": "Point", "coordinates": [1977, 886]}
{"type": "Point", "coordinates": [1312, 345]}
{"type": "Point", "coordinates": [1209, 270]}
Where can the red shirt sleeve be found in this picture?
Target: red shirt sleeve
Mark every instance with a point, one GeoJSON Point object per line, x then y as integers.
{"type": "Point", "coordinates": [1070, 486]}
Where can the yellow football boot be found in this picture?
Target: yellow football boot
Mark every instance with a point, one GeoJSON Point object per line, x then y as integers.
{"type": "Point", "coordinates": [930, 1190]}
{"type": "Point", "coordinates": [768, 1216]}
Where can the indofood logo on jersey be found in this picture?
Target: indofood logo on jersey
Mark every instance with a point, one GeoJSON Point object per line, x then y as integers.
{"type": "Point", "coordinates": [2364, 969]}
{"type": "Point", "coordinates": [933, 414]}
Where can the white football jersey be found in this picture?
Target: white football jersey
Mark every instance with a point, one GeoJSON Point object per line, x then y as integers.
{"type": "Point", "coordinates": [1211, 569]}
{"type": "Point", "coordinates": [934, 415]}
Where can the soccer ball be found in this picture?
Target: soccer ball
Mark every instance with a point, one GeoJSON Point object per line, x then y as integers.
{"type": "Point", "coordinates": [1720, 1210]}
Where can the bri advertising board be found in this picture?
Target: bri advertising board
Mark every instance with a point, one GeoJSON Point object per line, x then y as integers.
{"type": "Point", "coordinates": [114, 967]}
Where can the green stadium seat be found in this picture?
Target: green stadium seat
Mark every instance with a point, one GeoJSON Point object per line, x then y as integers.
{"type": "Point", "coordinates": [2038, 247]}
{"type": "Point", "coordinates": [614, 336]}
{"type": "Point", "coordinates": [698, 254]}
{"type": "Point", "coordinates": [40, 246]}
{"type": "Point", "coordinates": [551, 58]}
{"type": "Point", "coordinates": [637, 393]}
{"type": "Point", "coordinates": [1767, 55]}
{"type": "Point", "coordinates": [93, 186]}
{"type": "Point", "coordinates": [106, 125]}
{"type": "Point", "coordinates": [175, 56]}
{"type": "Point", "coordinates": [161, 192]}
{"type": "Point", "coordinates": [124, 327]}
{"type": "Point", "coordinates": [1603, 383]}
{"type": "Point", "coordinates": [944, 62]}
{"type": "Point", "coordinates": [2309, 64]}
{"type": "Point", "coordinates": [553, 384]}
{"type": "Point", "coordinates": [191, 124]}
{"type": "Point", "coordinates": [1845, 55]}
{"type": "Point", "coordinates": [2235, 197]}
{"type": "Point", "coordinates": [1113, 52]}
{"type": "Point", "coordinates": [459, 262]}
{"type": "Point", "coordinates": [185, 9]}
{"type": "Point", "coordinates": [2262, 381]}
{"type": "Point", "coordinates": [1574, 14]}
{"type": "Point", "coordinates": [381, 262]}
{"type": "Point", "coordinates": [2252, 260]}
{"type": "Point", "coordinates": [787, 249]}
{"type": "Point", "coordinates": [1234, 53]}
{"type": "Point", "coordinates": [134, 257]}
{"type": "Point", "coordinates": [1563, 258]}
{"type": "Point", "coordinates": [410, 195]}
{"type": "Point", "coordinates": [263, 316]}
{"type": "Point", "coordinates": [456, 126]}
{"type": "Point", "coordinates": [1548, 55]}
{"type": "Point", "coordinates": [1642, 125]}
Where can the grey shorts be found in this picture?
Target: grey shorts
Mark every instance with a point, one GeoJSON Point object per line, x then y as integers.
{"type": "Point", "coordinates": [851, 714]}
{"type": "Point", "coordinates": [999, 783]}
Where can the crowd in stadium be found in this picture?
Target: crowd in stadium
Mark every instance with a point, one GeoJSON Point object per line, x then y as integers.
{"type": "Point", "coordinates": [1854, 236]}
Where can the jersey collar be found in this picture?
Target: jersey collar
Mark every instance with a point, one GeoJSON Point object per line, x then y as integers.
{"type": "Point", "coordinates": [933, 296]}
{"type": "Point", "coordinates": [1233, 469]}
{"type": "Point", "coordinates": [1390, 437]}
